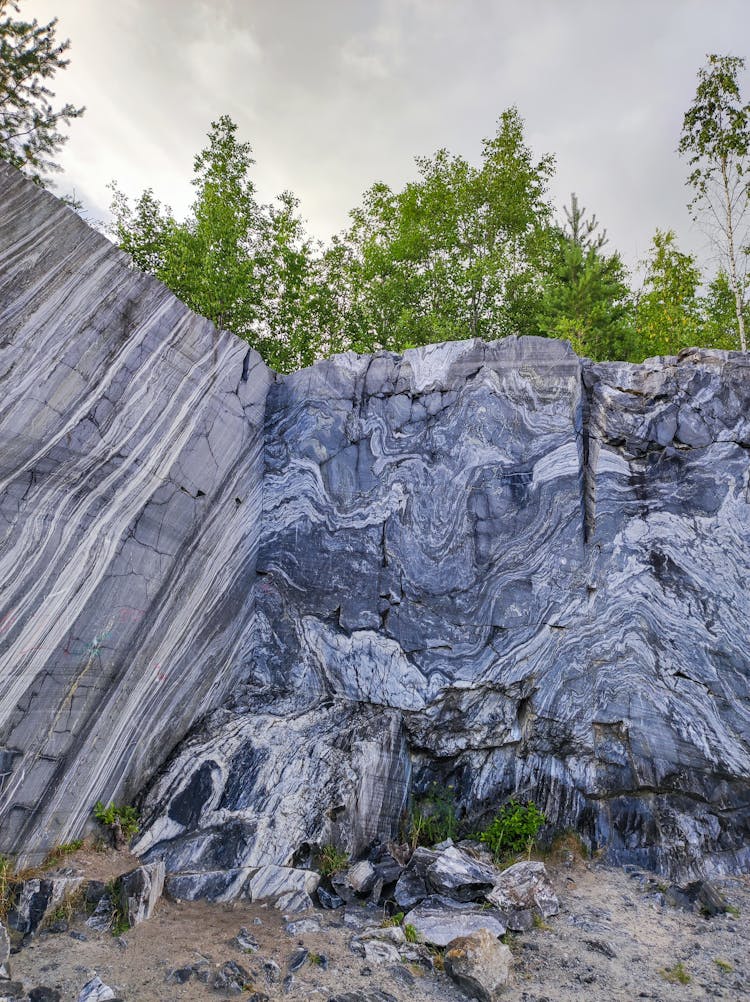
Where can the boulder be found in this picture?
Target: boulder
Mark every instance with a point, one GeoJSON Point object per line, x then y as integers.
{"type": "Point", "coordinates": [524, 886]}
{"type": "Point", "coordinates": [410, 889]}
{"type": "Point", "coordinates": [456, 875]}
{"type": "Point", "coordinates": [358, 881]}
{"type": "Point", "coordinates": [43, 994]}
{"type": "Point", "coordinates": [36, 899]}
{"type": "Point", "coordinates": [700, 895]}
{"type": "Point", "coordinates": [101, 918]}
{"type": "Point", "coordinates": [96, 991]}
{"type": "Point", "coordinates": [270, 881]}
{"type": "Point", "coordinates": [140, 889]}
{"type": "Point", "coordinates": [327, 899]}
{"type": "Point", "coordinates": [440, 920]}
{"type": "Point", "coordinates": [479, 964]}
{"type": "Point", "coordinates": [387, 934]}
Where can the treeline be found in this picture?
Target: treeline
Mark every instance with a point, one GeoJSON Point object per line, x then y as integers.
{"type": "Point", "coordinates": [462, 251]}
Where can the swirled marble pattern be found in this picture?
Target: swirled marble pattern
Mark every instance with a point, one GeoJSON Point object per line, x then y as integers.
{"type": "Point", "coordinates": [495, 566]}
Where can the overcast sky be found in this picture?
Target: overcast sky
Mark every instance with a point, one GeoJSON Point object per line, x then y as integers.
{"type": "Point", "coordinates": [336, 94]}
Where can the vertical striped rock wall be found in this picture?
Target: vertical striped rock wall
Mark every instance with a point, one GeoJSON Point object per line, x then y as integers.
{"type": "Point", "coordinates": [130, 501]}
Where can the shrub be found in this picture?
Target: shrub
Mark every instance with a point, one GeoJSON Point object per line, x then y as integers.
{"type": "Point", "coordinates": [332, 860]}
{"type": "Point", "coordinates": [514, 829]}
{"type": "Point", "coordinates": [412, 936]}
{"type": "Point", "coordinates": [433, 817]}
{"type": "Point", "coordinates": [676, 975]}
{"type": "Point", "coordinates": [121, 821]}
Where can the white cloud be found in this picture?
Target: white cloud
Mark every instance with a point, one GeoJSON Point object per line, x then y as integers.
{"type": "Point", "coordinates": [337, 94]}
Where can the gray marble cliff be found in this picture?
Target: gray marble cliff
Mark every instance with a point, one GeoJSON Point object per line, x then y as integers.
{"type": "Point", "coordinates": [275, 607]}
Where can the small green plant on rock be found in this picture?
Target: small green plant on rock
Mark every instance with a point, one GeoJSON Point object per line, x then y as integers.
{"type": "Point", "coordinates": [332, 860]}
{"type": "Point", "coordinates": [59, 852]}
{"type": "Point", "coordinates": [119, 920]}
{"type": "Point", "coordinates": [6, 886]}
{"type": "Point", "coordinates": [121, 821]}
{"type": "Point", "coordinates": [513, 829]}
{"type": "Point", "coordinates": [433, 817]}
{"type": "Point", "coordinates": [676, 975]}
{"type": "Point", "coordinates": [390, 920]}
{"type": "Point", "coordinates": [410, 931]}
{"type": "Point", "coordinates": [724, 966]}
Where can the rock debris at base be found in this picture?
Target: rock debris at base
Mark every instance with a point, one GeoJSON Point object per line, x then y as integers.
{"type": "Point", "coordinates": [615, 937]}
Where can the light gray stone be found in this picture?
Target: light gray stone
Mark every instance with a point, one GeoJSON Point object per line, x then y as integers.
{"type": "Point", "coordinates": [4, 945]}
{"type": "Point", "coordinates": [96, 991]}
{"type": "Point", "coordinates": [458, 876]}
{"type": "Point", "coordinates": [440, 920]}
{"type": "Point", "coordinates": [479, 965]}
{"type": "Point", "coordinates": [494, 566]}
{"type": "Point", "coordinates": [525, 885]}
{"type": "Point", "coordinates": [140, 889]}
{"type": "Point", "coordinates": [282, 883]}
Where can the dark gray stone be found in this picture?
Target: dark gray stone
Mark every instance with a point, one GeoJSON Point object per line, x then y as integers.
{"type": "Point", "coordinates": [327, 899]}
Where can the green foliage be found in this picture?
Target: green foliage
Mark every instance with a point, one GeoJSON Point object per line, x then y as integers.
{"type": "Point", "coordinates": [391, 920]}
{"type": "Point", "coordinates": [119, 919]}
{"type": "Point", "coordinates": [433, 817]}
{"type": "Point", "coordinates": [250, 268]}
{"type": "Point", "coordinates": [514, 829]}
{"type": "Point", "coordinates": [715, 141]}
{"type": "Point", "coordinates": [452, 255]}
{"type": "Point", "coordinates": [111, 816]}
{"type": "Point", "coordinates": [719, 321]}
{"type": "Point", "coordinates": [331, 860]}
{"type": "Point", "coordinates": [7, 885]}
{"type": "Point", "coordinates": [724, 966]}
{"type": "Point", "coordinates": [411, 934]}
{"type": "Point", "coordinates": [668, 313]}
{"type": "Point", "coordinates": [676, 975]}
{"type": "Point", "coordinates": [586, 298]}
{"type": "Point", "coordinates": [59, 852]}
{"type": "Point", "coordinates": [29, 124]}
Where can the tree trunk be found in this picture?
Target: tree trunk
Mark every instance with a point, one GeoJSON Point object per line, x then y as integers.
{"type": "Point", "coordinates": [733, 280]}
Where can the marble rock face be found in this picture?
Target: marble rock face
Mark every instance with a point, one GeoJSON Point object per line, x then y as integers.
{"type": "Point", "coordinates": [130, 503]}
{"type": "Point", "coordinates": [496, 567]}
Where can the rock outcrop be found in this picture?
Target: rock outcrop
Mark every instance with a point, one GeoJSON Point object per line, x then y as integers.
{"type": "Point", "coordinates": [497, 567]}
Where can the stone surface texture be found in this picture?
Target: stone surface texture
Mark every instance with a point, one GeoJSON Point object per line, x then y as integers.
{"type": "Point", "coordinates": [140, 890]}
{"type": "Point", "coordinates": [130, 503]}
{"type": "Point", "coordinates": [480, 965]}
{"type": "Point", "coordinates": [496, 567]}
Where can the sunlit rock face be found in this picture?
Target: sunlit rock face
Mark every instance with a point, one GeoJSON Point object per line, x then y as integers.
{"type": "Point", "coordinates": [495, 566]}
{"type": "Point", "coordinates": [130, 501]}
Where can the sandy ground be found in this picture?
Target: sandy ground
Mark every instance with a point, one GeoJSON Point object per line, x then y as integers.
{"type": "Point", "coordinates": [613, 939]}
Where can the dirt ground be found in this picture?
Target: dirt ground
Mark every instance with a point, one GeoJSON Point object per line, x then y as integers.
{"type": "Point", "coordinates": [615, 938]}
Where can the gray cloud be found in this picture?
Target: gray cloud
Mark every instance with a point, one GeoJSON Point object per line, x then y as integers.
{"type": "Point", "coordinates": [336, 94]}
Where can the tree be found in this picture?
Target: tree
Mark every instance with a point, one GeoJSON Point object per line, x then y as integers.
{"type": "Point", "coordinates": [719, 314]}
{"type": "Point", "coordinates": [452, 255]}
{"type": "Point", "coordinates": [29, 124]}
{"type": "Point", "coordinates": [669, 309]}
{"type": "Point", "coordinates": [250, 268]}
{"type": "Point", "coordinates": [716, 141]}
{"type": "Point", "coordinates": [586, 298]}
